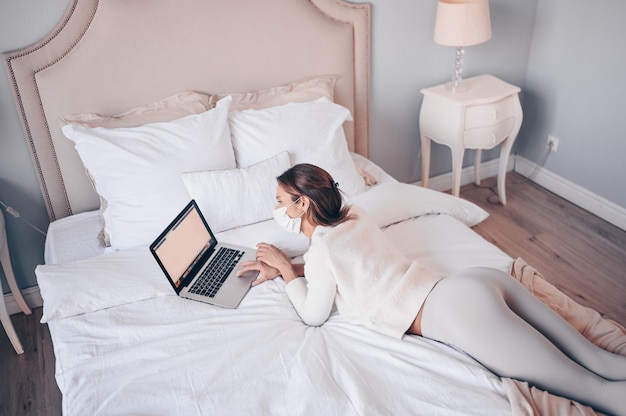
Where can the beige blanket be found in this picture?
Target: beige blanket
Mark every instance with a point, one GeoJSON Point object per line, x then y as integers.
{"type": "Point", "coordinates": [526, 400]}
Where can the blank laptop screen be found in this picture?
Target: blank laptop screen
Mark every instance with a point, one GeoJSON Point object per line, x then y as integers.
{"type": "Point", "coordinates": [183, 246]}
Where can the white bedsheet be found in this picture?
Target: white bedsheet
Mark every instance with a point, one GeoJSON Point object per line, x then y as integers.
{"type": "Point", "coordinates": [261, 359]}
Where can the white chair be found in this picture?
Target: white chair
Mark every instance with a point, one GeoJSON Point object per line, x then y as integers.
{"type": "Point", "coordinates": [5, 263]}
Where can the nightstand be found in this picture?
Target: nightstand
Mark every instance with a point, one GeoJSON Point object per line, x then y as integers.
{"type": "Point", "coordinates": [486, 115]}
{"type": "Point", "coordinates": [5, 263]}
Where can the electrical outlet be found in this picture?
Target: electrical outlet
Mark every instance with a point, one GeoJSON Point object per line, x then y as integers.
{"type": "Point", "coordinates": [553, 143]}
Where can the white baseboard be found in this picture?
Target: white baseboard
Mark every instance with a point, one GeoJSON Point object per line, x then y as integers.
{"type": "Point", "coordinates": [567, 190]}
{"type": "Point", "coordinates": [31, 296]}
{"type": "Point", "coordinates": [488, 169]}
{"type": "Point", "coordinates": [571, 192]}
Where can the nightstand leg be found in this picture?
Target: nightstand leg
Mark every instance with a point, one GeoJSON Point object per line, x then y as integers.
{"type": "Point", "coordinates": [477, 162]}
{"type": "Point", "coordinates": [425, 160]}
{"type": "Point", "coordinates": [505, 151]}
{"type": "Point", "coordinates": [457, 166]}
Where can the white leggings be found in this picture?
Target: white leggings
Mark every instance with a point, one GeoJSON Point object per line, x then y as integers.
{"type": "Point", "coordinates": [493, 318]}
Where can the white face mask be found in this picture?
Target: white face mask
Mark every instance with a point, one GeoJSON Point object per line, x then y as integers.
{"type": "Point", "coordinates": [285, 222]}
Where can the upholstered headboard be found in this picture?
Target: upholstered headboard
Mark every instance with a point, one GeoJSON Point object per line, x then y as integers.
{"type": "Point", "coordinates": [111, 55]}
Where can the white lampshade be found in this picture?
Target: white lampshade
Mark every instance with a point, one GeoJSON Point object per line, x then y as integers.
{"type": "Point", "coordinates": [462, 22]}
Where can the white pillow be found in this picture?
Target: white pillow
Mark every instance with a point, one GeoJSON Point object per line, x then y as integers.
{"type": "Point", "coordinates": [392, 202]}
{"type": "Point", "coordinates": [100, 282]}
{"type": "Point", "coordinates": [136, 170]}
{"type": "Point", "coordinates": [312, 132]}
{"type": "Point", "coordinates": [236, 197]}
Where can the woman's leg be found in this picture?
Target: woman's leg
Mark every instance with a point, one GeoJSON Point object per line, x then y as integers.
{"type": "Point", "coordinates": [532, 310]}
{"type": "Point", "coordinates": [496, 320]}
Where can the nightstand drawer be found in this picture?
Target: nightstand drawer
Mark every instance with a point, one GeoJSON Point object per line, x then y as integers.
{"type": "Point", "coordinates": [488, 137]}
{"type": "Point", "coordinates": [489, 114]}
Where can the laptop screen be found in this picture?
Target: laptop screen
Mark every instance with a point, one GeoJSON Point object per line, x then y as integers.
{"type": "Point", "coordinates": [182, 244]}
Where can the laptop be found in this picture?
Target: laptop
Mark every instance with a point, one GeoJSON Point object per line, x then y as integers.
{"type": "Point", "coordinates": [197, 266]}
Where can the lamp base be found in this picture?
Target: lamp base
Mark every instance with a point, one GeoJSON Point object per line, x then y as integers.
{"type": "Point", "coordinates": [456, 86]}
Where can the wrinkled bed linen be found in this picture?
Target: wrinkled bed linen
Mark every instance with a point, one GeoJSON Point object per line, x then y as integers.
{"type": "Point", "coordinates": [149, 340]}
{"type": "Point", "coordinates": [260, 358]}
{"type": "Point", "coordinates": [605, 333]}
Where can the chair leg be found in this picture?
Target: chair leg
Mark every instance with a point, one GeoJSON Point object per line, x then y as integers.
{"type": "Point", "coordinates": [5, 261]}
{"type": "Point", "coordinates": [5, 264]}
{"type": "Point", "coordinates": [8, 327]}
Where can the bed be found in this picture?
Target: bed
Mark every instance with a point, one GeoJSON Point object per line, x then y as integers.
{"type": "Point", "coordinates": [130, 109]}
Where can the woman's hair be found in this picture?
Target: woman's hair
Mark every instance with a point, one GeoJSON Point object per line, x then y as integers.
{"type": "Point", "coordinates": [315, 183]}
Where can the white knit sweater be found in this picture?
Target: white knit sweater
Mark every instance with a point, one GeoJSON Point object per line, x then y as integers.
{"type": "Point", "coordinates": [355, 265]}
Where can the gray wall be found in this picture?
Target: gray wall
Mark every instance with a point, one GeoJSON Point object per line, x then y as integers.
{"type": "Point", "coordinates": [22, 23]}
{"type": "Point", "coordinates": [550, 48]}
{"type": "Point", "coordinates": [575, 89]}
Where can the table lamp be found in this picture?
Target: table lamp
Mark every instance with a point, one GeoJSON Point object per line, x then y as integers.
{"type": "Point", "coordinates": [461, 23]}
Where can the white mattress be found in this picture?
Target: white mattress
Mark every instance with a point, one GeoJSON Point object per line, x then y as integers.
{"type": "Point", "coordinates": [126, 344]}
{"type": "Point", "coordinates": [74, 238]}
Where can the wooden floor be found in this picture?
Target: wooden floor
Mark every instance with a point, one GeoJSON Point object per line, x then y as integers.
{"type": "Point", "coordinates": [27, 384]}
{"type": "Point", "coordinates": [579, 253]}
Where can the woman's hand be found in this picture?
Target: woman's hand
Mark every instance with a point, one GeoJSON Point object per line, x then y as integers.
{"type": "Point", "coordinates": [265, 272]}
{"type": "Point", "coordinates": [271, 262]}
{"type": "Point", "coordinates": [272, 256]}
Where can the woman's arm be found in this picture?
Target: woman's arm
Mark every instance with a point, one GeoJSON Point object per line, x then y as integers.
{"type": "Point", "coordinates": [313, 299]}
{"type": "Point", "coordinates": [314, 296]}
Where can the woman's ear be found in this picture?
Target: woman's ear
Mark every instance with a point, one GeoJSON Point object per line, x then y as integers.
{"type": "Point", "coordinates": [305, 202]}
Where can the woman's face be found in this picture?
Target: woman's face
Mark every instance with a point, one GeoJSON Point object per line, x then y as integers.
{"type": "Point", "coordinates": [284, 199]}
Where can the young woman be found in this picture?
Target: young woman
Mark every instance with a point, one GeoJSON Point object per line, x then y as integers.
{"type": "Point", "coordinates": [483, 311]}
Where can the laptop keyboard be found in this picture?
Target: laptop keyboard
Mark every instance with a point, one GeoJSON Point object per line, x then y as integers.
{"type": "Point", "coordinates": [216, 272]}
